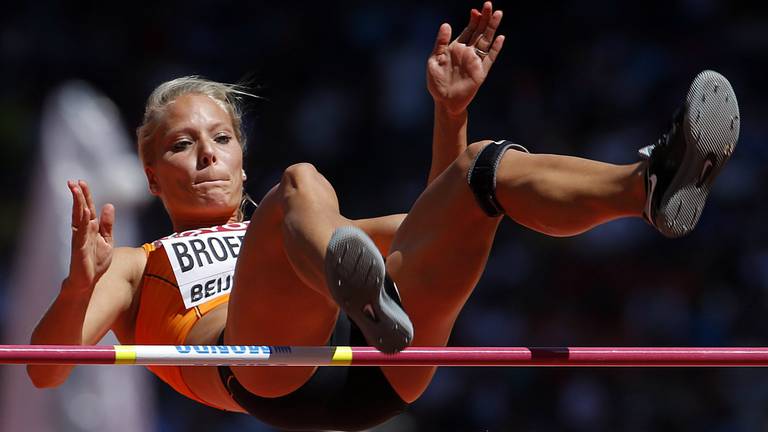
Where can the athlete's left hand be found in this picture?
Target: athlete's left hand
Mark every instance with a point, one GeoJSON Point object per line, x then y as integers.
{"type": "Point", "coordinates": [456, 70]}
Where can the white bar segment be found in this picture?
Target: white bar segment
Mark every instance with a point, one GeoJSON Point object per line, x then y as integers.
{"type": "Point", "coordinates": [233, 355]}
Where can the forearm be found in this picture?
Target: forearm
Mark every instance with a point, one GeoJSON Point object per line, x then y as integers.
{"type": "Point", "coordinates": [62, 324]}
{"type": "Point", "coordinates": [449, 139]}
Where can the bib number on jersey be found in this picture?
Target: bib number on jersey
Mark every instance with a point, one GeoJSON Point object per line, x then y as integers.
{"type": "Point", "coordinates": [204, 264]}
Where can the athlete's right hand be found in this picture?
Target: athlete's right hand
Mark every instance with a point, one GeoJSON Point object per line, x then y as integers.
{"type": "Point", "coordinates": [456, 70]}
{"type": "Point", "coordinates": [92, 242]}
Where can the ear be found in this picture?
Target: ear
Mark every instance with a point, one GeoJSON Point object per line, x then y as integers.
{"type": "Point", "coordinates": [154, 186]}
{"type": "Point", "coordinates": [245, 177]}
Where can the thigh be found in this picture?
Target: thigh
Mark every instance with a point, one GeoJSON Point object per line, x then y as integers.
{"type": "Point", "coordinates": [335, 398]}
{"type": "Point", "coordinates": [270, 305]}
{"type": "Point", "coordinates": [436, 259]}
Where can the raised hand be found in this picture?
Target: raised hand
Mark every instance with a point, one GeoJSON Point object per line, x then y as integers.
{"type": "Point", "coordinates": [456, 70]}
{"type": "Point", "coordinates": [92, 242]}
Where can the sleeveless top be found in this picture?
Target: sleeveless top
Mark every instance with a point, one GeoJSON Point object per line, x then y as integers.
{"type": "Point", "coordinates": [169, 307]}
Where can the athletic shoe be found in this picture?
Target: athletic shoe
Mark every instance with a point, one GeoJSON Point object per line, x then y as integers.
{"type": "Point", "coordinates": [357, 280]}
{"type": "Point", "coordinates": [686, 160]}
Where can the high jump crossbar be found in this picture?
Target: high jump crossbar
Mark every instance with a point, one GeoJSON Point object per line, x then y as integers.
{"type": "Point", "coordinates": [254, 355]}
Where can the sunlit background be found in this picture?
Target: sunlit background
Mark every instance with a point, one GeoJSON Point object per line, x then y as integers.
{"type": "Point", "coordinates": [343, 87]}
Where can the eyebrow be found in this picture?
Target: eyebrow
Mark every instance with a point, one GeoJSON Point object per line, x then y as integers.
{"type": "Point", "coordinates": [192, 131]}
{"type": "Point", "coordinates": [220, 125]}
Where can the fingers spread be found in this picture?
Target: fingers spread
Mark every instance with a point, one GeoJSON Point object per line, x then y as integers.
{"type": "Point", "coordinates": [88, 198]}
{"type": "Point", "coordinates": [485, 42]}
{"type": "Point", "coordinates": [77, 208]}
{"type": "Point", "coordinates": [469, 30]}
{"type": "Point", "coordinates": [80, 215]}
{"type": "Point", "coordinates": [80, 211]}
{"type": "Point", "coordinates": [485, 18]}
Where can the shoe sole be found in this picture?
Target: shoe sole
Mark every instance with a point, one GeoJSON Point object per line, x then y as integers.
{"type": "Point", "coordinates": [711, 127]}
{"type": "Point", "coordinates": [356, 277]}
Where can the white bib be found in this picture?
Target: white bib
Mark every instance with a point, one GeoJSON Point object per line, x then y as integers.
{"type": "Point", "coordinates": [203, 261]}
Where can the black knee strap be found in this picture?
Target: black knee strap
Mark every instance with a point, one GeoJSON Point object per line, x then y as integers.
{"type": "Point", "coordinates": [482, 175]}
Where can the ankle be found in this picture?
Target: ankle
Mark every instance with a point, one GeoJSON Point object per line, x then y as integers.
{"type": "Point", "coordinates": [638, 188]}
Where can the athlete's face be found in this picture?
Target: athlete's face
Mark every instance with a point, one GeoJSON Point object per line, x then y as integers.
{"type": "Point", "coordinates": [197, 168]}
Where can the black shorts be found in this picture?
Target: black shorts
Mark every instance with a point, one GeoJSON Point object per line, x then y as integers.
{"type": "Point", "coordinates": [334, 398]}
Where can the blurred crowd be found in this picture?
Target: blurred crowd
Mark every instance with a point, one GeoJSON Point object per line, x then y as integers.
{"type": "Point", "coordinates": [341, 85]}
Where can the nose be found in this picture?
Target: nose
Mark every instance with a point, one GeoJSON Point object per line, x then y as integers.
{"type": "Point", "coordinates": [206, 153]}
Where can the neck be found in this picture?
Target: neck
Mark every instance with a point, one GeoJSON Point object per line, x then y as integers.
{"type": "Point", "coordinates": [181, 224]}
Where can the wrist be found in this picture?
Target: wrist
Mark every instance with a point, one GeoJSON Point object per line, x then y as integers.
{"type": "Point", "coordinates": [444, 113]}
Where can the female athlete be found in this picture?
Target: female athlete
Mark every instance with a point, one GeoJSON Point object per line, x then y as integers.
{"type": "Point", "coordinates": [299, 273]}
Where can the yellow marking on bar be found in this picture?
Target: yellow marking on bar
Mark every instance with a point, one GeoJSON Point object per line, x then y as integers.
{"type": "Point", "coordinates": [342, 356]}
{"type": "Point", "coordinates": [125, 354]}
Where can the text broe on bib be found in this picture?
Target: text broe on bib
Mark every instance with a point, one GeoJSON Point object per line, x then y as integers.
{"type": "Point", "coordinates": [203, 260]}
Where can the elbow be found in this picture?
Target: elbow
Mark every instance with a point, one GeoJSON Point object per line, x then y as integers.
{"type": "Point", "coordinates": [42, 378]}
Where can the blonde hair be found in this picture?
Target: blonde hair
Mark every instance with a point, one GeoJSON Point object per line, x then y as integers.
{"type": "Point", "coordinates": [228, 96]}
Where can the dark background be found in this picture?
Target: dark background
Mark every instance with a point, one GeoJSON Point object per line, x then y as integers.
{"type": "Point", "coordinates": [343, 87]}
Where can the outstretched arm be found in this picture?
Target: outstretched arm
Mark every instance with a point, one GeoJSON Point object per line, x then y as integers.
{"type": "Point", "coordinates": [455, 72]}
{"type": "Point", "coordinates": [98, 289]}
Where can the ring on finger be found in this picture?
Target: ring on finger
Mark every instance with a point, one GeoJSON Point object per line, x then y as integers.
{"type": "Point", "coordinates": [481, 53]}
{"type": "Point", "coordinates": [481, 42]}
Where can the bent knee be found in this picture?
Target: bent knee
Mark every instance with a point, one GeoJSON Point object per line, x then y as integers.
{"type": "Point", "coordinates": [467, 158]}
{"type": "Point", "coordinates": [302, 181]}
{"type": "Point", "coordinates": [300, 173]}
{"type": "Point", "coordinates": [304, 176]}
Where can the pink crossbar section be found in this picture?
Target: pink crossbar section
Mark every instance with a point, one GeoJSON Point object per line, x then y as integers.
{"type": "Point", "coordinates": [57, 354]}
{"type": "Point", "coordinates": [566, 357]}
{"type": "Point", "coordinates": [439, 356]}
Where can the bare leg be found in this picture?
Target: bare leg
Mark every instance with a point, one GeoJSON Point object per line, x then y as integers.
{"type": "Point", "coordinates": [564, 196]}
{"type": "Point", "coordinates": [311, 216]}
{"type": "Point", "coordinates": [441, 248]}
{"type": "Point", "coordinates": [280, 296]}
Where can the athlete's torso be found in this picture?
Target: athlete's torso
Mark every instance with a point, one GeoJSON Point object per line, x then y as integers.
{"type": "Point", "coordinates": [186, 276]}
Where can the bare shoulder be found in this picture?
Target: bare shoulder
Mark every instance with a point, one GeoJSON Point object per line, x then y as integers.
{"type": "Point", "coordinates": [127, 267]}
{"type": "Point", "coordinates": [124, 273]}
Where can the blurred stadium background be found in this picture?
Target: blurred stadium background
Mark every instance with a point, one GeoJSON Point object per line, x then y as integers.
{"type": "Point", "coordinates": [343, 87]}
